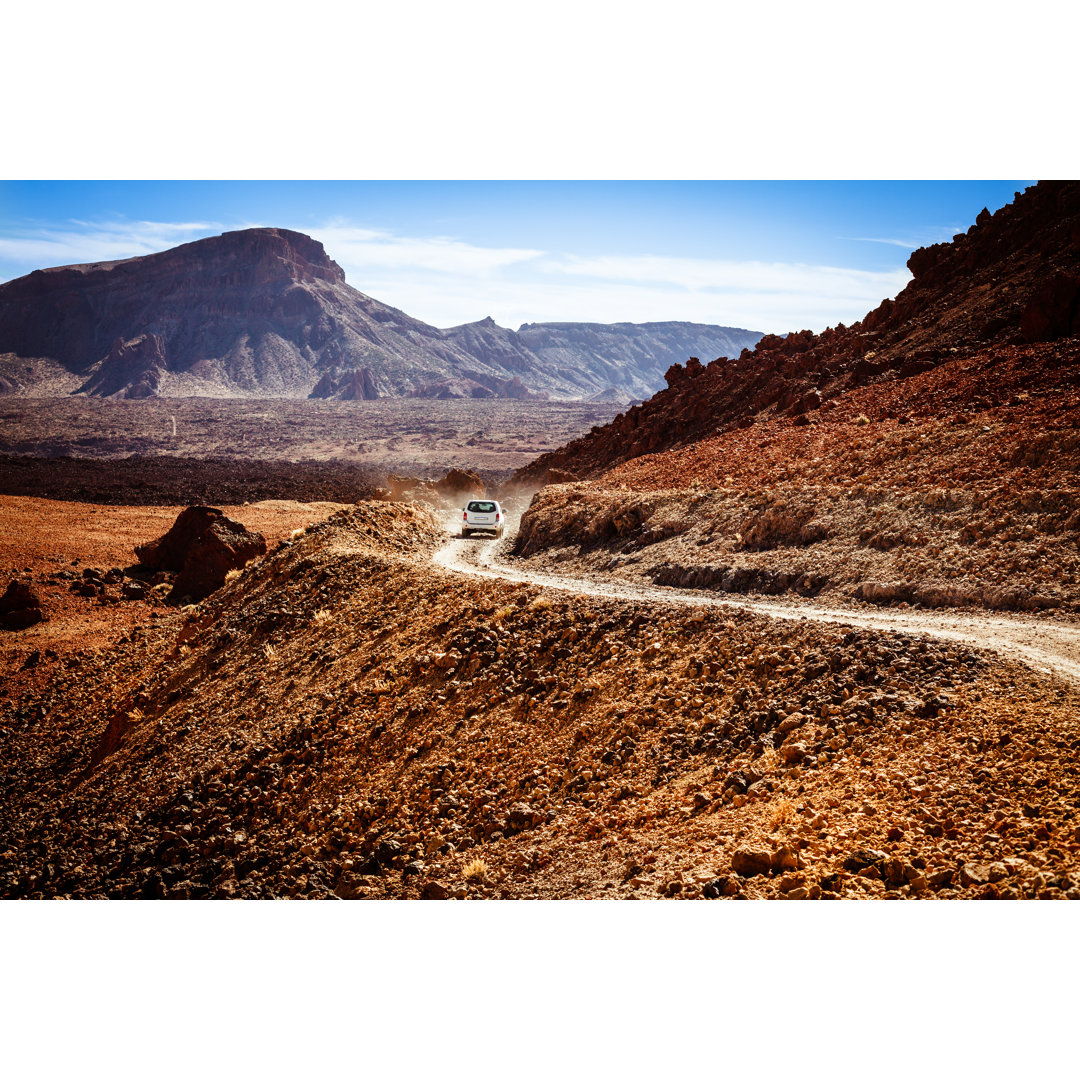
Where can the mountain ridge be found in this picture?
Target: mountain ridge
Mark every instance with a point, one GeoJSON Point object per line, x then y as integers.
{"type": "Point", "coordinates": [267, 312]}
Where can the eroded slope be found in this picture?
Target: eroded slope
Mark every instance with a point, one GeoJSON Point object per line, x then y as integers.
{"type": "Point", "coordinates": [343, 719]}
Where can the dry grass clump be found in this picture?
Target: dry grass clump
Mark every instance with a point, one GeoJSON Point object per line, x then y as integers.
{"type": "Point", "coordinates": [323, 615]}
{"type": "Point", "coordinates": [475, 871]}
{"type": "Point", "coordinates": [769, 760]}
{"type": "Point", "coordinates": [270, 652]}
{"type": "Point", "coordinates": [502, 613]}
{"type": "Point", "coordinates": [541, 603]}
{"type": "Point", "coordinates": [782, 812]}
{"type": "Point", "coordinates": [232, 575]}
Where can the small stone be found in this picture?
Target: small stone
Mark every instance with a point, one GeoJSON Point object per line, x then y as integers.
{"type": "Point", "coordinates": [793, 753]}
{"type": "Point", "coordinates": [862, 858]}
{"type": "Point", "coordinates": [434, 890]}
{"type": "Point", "coordinates": [785, 859]}
{"type": "Point", "coordinates": [974, 874]}
{"type": "Point", "coordinates": [750, 863]}
{"type": "Point", "coordinates": [940, 879]}
{"type": "Point", "coordinates": [721, 886]}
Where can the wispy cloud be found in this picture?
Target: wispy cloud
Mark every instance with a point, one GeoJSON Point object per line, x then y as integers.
{"type": "Point", "coordinates": [350, 245]}
{"type": "Point", "coordinates": [907, 245]}
{"type": "Point", "coordinates": [921, 237]}
{"type": "Point", "coordinates": [86, 241]}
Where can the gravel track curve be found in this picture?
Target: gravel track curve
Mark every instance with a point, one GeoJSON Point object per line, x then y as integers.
{"type": "Point", "coordinates": [1049, 647]}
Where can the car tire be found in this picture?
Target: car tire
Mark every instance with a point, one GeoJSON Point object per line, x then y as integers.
{"type": "Point", "coordinates": [464, 533]}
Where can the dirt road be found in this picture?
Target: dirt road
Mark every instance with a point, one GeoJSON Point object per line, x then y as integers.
{"type": "Point", "coordinates": [1050, 647]}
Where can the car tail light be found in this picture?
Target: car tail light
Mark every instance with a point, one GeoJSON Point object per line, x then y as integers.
{"type": "Point", "coordinates": [464, 515]}
{"type": "Point", "coordinates": [496, 515]}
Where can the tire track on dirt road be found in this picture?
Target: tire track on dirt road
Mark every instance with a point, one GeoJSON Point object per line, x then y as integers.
{"type": "Point", "coordinates": [1049, 647]}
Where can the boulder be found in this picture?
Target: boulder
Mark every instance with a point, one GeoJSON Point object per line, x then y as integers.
{"type": "Point", "coordinates": [400, 484]}
{"type": "Point", "coordinates": [20, 606]}
{"type": "Point", "coordinates": [1053, 310]}
{"type": "Point", "coordinates": [750, 863]}
{"type": "Point", "coordinates": [203, 546]}
{"type": "Point", "coordinates": [807, 403]}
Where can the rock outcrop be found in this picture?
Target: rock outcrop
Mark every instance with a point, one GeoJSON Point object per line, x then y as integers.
{"type": "Point", "coordinates": [1013, 278]}
{"type": "Point", "coordinates": [20, 606]}
{"type": "Point", "coordinates": [203, 546]}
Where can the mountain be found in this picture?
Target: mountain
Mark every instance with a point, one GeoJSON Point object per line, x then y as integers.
{"type": "Point", "coordinates": [1013, 279]}
{"type": "Point", "coordinates": [601, 361]}
{"type": "Point", "coordinates": [266, 312]}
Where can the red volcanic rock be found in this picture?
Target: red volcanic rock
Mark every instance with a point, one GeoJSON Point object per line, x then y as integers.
{"type": "Point", "coordinates": [1013, 277]}
{"type": "Point", "coordinates": [1053, 311]}
{"type": "Point", "coordinates": [807, 403]}
{"type": "Point", "coordinates": [203, 545]}
{"type": "Point", "coordinates": [20, 606]}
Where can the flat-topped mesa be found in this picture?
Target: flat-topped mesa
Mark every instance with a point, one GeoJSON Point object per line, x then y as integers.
{"type": "Point", "coordinates": [195, 302]}
{"type": "Point", "coordinates": [245, 256]}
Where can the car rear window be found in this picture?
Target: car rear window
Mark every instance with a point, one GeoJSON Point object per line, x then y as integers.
{"type": "Point", "coordinates": [482, 507]}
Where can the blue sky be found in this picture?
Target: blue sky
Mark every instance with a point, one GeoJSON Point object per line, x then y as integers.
{"type": "Point", "coordinates": [764, 255]}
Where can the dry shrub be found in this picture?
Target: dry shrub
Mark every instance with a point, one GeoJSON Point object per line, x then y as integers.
{"type": "Point", "coordinates": [232, 575]}
{"type": "Point", "coordinates": [502, 613]}
{"type": "Point", "coordinates": [475, 871]}
{"type": "Point", "coordinates": [862, 420]}
{"type": "Point", "coordinates": [323, 615]}
{"type": "Point", "coordinates": [782, 812]}
{"type": "Point", "coordinates": [269, 651]}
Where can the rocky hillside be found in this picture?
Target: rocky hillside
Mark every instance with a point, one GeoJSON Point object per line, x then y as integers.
{"type": "Point", "coordinates": [266, 313]}
{"type": "Point", "coordinates": [1012, 279]}
{"type": "Point", "coordinates": [342, 720]}
{"type": "Point", "coordinates": [927, 456]}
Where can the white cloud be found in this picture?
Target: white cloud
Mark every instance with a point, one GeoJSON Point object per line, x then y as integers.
{"type": "Point", "coordinates": [907, 245]}
{"type": "Point", "coordinates": [361, 248]}
{"type": "Point", "coordinates": [722, 275]}
{"type": "Point", "coordinates": [83, 241]}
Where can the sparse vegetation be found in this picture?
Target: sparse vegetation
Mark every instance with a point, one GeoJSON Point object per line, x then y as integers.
{"type": "Point", "coordinates": [782, 812]}
{"type": "Point", "coordinates": [475, 871]}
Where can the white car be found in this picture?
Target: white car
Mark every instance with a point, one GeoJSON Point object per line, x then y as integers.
{"type": "Point", "coordinates": [482, 515]}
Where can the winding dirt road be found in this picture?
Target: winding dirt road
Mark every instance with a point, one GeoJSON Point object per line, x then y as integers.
{"type": "Point", "coordinates": [1049, 647]}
